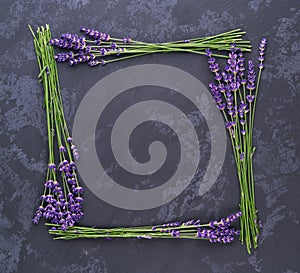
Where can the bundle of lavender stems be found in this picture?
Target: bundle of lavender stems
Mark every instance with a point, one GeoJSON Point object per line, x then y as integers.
{"type": "Point", "coordinates": [61, 201]}
{"type": "Point", "coordinates": [214, 231]}
{"type": "Point", "coordinates": [101, 48]}
{"type": "Point", "coordinates": [235, 94]}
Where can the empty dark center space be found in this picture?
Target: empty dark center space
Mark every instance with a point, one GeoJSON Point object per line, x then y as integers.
{"type": "Point", "coordinates": [146, 133]}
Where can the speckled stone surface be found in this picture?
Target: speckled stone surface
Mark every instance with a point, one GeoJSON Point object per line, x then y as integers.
{"type": "Point", "coordinates": [28, 248]}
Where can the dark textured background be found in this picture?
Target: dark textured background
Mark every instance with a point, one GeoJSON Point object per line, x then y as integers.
{"type": "Point", "coordinates": [28, 248]}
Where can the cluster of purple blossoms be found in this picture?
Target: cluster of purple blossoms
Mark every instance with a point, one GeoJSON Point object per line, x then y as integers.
{"type": "Point", "coordinates": [216, 231]}
{"type": "Point", "coordinates": [220, 231]}
{"type": "Point", "coordinates": [251, 76]}
{"type": "Point", "coordinates": [227, 91]}
{"type": "Point", "coordinates": [61, 206]}
{"type": "Point", "coordinates": [82, 50]}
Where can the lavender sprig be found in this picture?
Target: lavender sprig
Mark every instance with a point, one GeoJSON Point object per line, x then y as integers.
{"type": "Point", "coordinates": [235, 96]}
{"type": "Point", "coordinates": [61, 201]}
{"type": "Point", "coordinates": [214, 231]}
{"type": "Point", "coordinates": [101, 48]}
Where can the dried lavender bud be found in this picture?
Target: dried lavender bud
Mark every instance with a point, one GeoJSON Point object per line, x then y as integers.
{"type": "Point", "coordinates": [232, 62]}
{"type": "Point", "coordinates": [218, 76]}
{"type": "Point", "coordinates": [103, 51]}
{"type": "Point", "coordinates": [78, 190]}
{"type": "Point", "coordinates": [212, 224]}
{"type": "Point", "coordinates": [175, 233]}
{"type": "Point", "coordinates": [234, 86]}
{"type": "Point", "coordinates": [208, 52]}
{"type": "Point", "coordinates": [216, 93]}
{"type": "Point", "coordinates": [38, 215]}
{"type": "Point", "coordinates": [78, 199]}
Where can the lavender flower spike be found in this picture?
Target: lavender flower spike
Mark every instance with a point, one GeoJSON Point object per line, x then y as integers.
{"type": "Point", "coordinates": [251, 76]}
{"type": "Point", "coordinates": [262, 48]}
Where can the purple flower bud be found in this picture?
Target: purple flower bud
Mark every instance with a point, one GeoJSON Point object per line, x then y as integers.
{"type": "Point", "coordinates": [114, 46]}
{"type": "Point", "coordinates": [250, 98]}
{"type": "Point", "coordinates": [127, 40]}
{"type": "Point", "coordinates": [234, 86]}
{"type": "Point", "coordinates": [208, 52]}
{"type": "Point", "coordinates": [79, 199]}
{"type": "Point", "coordinates": [92, 56]}
{"type": "Point", "coordinates": [93, 62]}
{"type": "Point", "coordinates": [214, 68]}
{"type": "Point", "coordinates": [243, 81]}
{"type": "Point", "coordinates": [222, 106]}
{"type": "Point", "coordinates": [43, 197]}
{"type": "Point", "coordinates": [61, 57]}
{"type": "Point", "coordinates": [73, 147]}
{"type": "Point", "coordinates": [251, 76]}
{"type": "Point", "coordinates": [62, 149]}
{"type": "Point", "coordinates": [233, 48]}
{"type": "Point", "coordinates": [78, 190]}
{"type": "Point", "coordinates": [218, 77]}
{"type": "Point", "coordinates": [49, 184]}
{"type": "Point", "coordinates": [51, 166]}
